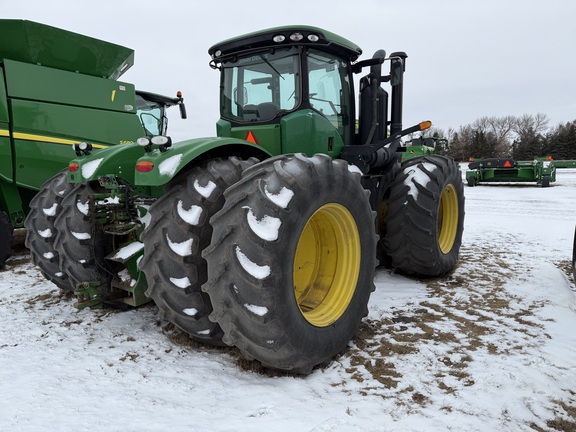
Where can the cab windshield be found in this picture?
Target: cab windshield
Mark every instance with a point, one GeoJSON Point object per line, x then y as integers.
{"type": "Point", "coordinates": [151, 116]}
{"type": "Point", "coordinates": [258, 86]}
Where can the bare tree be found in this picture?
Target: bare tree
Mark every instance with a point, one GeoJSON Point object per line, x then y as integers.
{"type": "Point", "coordinates": [502, 128]}
{"type": "Point", "coordinates": [528, 126]}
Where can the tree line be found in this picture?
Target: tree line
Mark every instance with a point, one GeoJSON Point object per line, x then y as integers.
{"type": "Point", "coordinates": [524, 138]}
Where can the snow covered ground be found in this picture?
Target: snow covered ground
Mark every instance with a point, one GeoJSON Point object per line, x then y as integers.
{"type": "Point", "coordinates": [488, 348]}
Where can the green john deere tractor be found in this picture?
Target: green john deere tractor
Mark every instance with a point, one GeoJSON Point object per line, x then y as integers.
{"type": "Point", "coordinates": [266, 237]}
{"type": "Point", "coordinates": [58, 89]}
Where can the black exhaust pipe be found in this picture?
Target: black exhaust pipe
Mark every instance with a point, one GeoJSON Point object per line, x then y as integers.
{"type": "Point", "coordinates": [397, 68]}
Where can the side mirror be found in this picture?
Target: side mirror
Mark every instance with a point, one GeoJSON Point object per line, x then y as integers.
{"type": "Point", "coordinates": [241, 99]}
{"type": "Point", "coordinates": [181, 105]}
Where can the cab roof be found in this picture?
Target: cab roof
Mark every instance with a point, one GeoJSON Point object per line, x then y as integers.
{"type": "Point", "coordinates": [284, 36]}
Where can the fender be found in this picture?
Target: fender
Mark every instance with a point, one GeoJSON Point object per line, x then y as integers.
{"type": "Point", "coordinates": [118, 160]}
{"type": "Point", "coordinates": [157, 168]}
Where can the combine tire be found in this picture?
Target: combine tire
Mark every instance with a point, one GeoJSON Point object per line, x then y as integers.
{"type": "Point", "coordinates": [40, 230]}
{"type": "Point", "coordinates": [425, 216]}
{"type": "Point", "coordinates": [291, 263]}
{"type": "Point", "coordinates": [471, 181]}
{"type": "Point", "coordinates": [80, 243]}
{"type": "Point", "coordinates": [174, 240]}
{"type": "Point", "coordinates": [545, 181]}
{"type": "Point", "coordinates": [6, 238]}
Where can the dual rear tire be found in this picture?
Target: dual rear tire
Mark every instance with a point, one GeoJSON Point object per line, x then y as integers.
{"type": "Point", "coordinates": [41, 230]}
{"type": "Point", "coordinates": [253, 256]}
{"type": "Point", "coordinates": [291, 263]}
{"type": "Point", "coordinates": [174, 240]}
{"type": "Point", "coordinates": [425, 217]}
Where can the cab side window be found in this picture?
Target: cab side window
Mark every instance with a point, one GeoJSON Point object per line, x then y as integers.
{"type": "Point", "coordinates": [329, 90]}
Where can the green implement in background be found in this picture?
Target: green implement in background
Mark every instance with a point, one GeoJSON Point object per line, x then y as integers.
{"type": "Point", "coordinates": [494, 170]}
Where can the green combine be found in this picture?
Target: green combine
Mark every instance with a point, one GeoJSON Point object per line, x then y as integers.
{"type": "Point", "coordinates": [266, 236]}
{"type": "Point", "coordinates": [500, 170]}
{"type": "Point", "coordinates": [59, 89]}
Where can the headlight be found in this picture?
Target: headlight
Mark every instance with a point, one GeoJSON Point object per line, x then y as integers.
{"type": "Point", "coordinates": [143, 142]}
{"type": "Point", "coordinates": [82, 148]}
{"type": "Point", "coordinates": [161, 140]}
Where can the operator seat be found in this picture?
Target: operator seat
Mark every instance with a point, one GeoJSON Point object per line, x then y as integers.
{"type": "Point", "coordinates": [250, 112]}
{"type": "Point", "coordinates": [267, 111]}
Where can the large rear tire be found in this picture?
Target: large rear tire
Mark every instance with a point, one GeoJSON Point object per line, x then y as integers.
{"type": "Point", "coordinates": [41, 232]}
{"type": "Point", "coordinates": [425, 217]}
{"type": "Point", "coordinates": [292, 259]}
{"type": "Point", "coordinates": [6, 238]}
{"type": "Point", "coordinates": [174, 240]}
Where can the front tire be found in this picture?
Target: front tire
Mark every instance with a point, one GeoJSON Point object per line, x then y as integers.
{"type": "Point", "coordinates": [178, 233]}
{"type": "Point", "coordinates": [291, 264]}
{"type": "Point", "coordinates": [41, 232]}
{"type": "Point", "coordinates": [425, 217]}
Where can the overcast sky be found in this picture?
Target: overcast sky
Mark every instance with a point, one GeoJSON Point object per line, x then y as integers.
{"type": "Point", "coordinates": [466, 59]}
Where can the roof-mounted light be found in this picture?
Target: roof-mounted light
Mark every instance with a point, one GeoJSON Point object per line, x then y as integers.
{"type": "Point", "coordinates": [296, 37]}
{"type": "Point", "coordinates": [279, 38]}
{"type": "Point", "coordinates": [313, 37]}
{"type": "Point", "coordinates": [217, 53]}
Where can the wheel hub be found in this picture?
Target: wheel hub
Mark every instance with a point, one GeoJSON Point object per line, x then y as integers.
{"type": "Point", "coordinates": [447, 219]}
{"type": "Point", "coordinates": [326, 265]}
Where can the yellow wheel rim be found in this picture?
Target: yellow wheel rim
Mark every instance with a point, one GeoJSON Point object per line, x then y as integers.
{"type": "Point", "coordinates": [447, 219]}
{"type": "Point", "coordinates": [326, 265]}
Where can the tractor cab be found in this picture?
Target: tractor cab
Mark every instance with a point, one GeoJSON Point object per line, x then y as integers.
{"type": "Point", "coordinates": [291, 89]}
{"type": "Point", "coordinates": [283, 86]}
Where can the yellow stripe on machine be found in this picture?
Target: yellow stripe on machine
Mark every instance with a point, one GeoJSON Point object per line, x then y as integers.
{"type": "Point", "coordinates": [4, 133]}
{"type": "Point", "coordinates": [31, 137]}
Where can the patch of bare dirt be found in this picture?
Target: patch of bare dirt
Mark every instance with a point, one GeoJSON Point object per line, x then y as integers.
{"type": "Point", "coordinates": [466, 311]}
